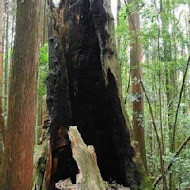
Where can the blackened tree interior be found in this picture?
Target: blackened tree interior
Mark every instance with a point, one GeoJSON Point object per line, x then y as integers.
{"type": "Point", "coordinates": [83, 90]}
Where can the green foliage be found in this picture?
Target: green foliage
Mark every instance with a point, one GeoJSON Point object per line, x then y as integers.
{"type": "Point", "coordinates": [164, 54]}
{"type": "Point", "coordinates": [44, 57]}
{"type": "Point", "coordinates": [43, 69]}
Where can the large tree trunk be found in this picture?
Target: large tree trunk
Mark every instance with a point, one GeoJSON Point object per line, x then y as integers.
{"type": "Point", "coordinates": [84, 89]}
{"type": "Point", "coordinates": [18, 160]}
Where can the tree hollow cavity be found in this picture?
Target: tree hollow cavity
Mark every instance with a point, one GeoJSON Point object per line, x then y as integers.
{"type": "Point", "coordinates": [82, 91]}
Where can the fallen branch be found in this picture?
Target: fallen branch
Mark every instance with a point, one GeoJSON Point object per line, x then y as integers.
{"type": "Point", "coordinates": [173, 160]}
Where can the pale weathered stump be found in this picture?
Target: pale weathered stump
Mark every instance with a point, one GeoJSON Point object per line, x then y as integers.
{"type": "Point", "coordinates": [85, 156]}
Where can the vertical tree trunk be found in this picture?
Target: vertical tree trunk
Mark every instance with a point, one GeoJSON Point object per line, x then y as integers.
{"type": "Point", "coordinates": [13, 20]}
{"type": "Point", "coordinates": [44, 28]}
{"type": "Point", "coordinates": [84, 89]}
{"type": "Point", "coordinates": [118, 23]}
{"type": "Point", "coordinates": [162, 165]}
{"type": "Point", "coordinates": [60, 164]}
{"type": "Point", "coordinates": [188, 26]}
{"type": "Point", "coordinates": [136, 75]}
{"type": "Point", "coordinates": [2, 127]}
{"type": "Point", "coordinates": [18, 160]}
{"type": "Point", "coordinates": [169, 73]}
{"type": "Point", "coordinates": [6, 63]}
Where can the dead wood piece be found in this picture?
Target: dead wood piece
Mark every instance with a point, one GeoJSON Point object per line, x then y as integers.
{"type": "Point", "coordinates": [40, 165]}
{"type": "Point", "coordinates": [65, 185]}
{"type": "Point", "coordinates": [85, 156]}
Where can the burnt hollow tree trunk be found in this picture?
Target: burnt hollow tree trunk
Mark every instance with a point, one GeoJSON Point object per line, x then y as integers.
{"type": "Point", "coordinates": [84, 89]}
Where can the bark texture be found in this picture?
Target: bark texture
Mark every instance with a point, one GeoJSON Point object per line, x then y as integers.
{"type": "Point", "coordinates": [84, 89]}
{"type": "Point", "coordinates": [136, 76]}
{"type": "Point", "coordinates": [60, 164]}
{"type": "Point", "coordinates": [18, 163]}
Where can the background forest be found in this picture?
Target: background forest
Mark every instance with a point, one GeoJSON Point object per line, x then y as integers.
{"type": "Point", "coordinates": [153, 48]}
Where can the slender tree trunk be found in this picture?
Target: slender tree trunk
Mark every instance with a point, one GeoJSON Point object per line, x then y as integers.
{"type": "Point", "coordinates": [136, 75]}
{"type": "Point", "coordinates": [157, 137]}
{"type": "Point", "coordinates": [118, 23]}
{"type": "Point", "coordinates": [169, 74]}
{"type": "Point", "coordinates": [188, 26]}
{"type": "Point", "coordinates": [160, 80]}
{"type": "Point", "coordinates": [2, 127]}
{"type": "Point", "coordinates": [6, 63]}
{"type": "Point", "coordinates": [45, 28]}
{"type": "Point", "coordinates": [13, 17]}
{"type": "Point", "coordinates": [160, 113]}
{"type": "Point", "coordinates": [160, 99]}
{"type": "Point", "coordinates": [18, 160]}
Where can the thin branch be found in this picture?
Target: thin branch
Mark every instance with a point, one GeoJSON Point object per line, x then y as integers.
{"type": "Point", "coordinates": [128, 86]}
{"type": "Point", "coordinates": [157, 135]}
{"type": "Point", "coordinates": [173, 160]}
{"type": "Point", "coordinates": [129, 81]}
{"type": "Point", "coordinates": [74, 4]}
{"type": "Point", "coordinates": [178, 106]}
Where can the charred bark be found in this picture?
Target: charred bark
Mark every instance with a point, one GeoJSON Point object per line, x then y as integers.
{"type": "Point", "coordinates": [61, 165]}
{"type": "Point", "coordinates": [84, 89]}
